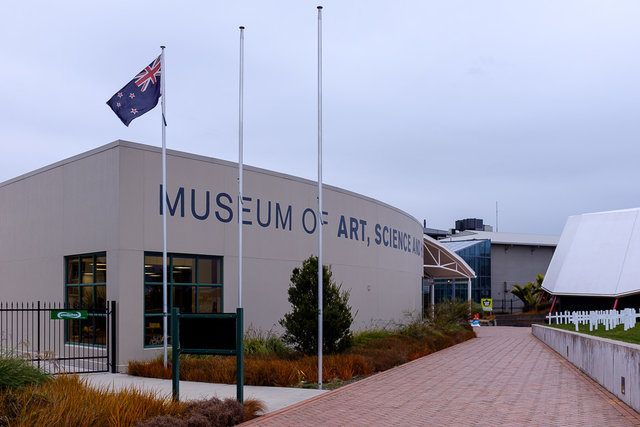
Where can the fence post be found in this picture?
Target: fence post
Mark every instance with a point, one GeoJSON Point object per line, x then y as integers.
{"type": "Point", "coordinates": [114, 338]}
{"type": "Point", "coordinates": [38, 332]}
{"type": "Point", "coordinates": [239, 355]}
{"type": "Point", "coordinates": [175, 353]}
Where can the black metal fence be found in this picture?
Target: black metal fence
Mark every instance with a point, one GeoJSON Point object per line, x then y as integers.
{"type": "Point", "coordinates": [60, 339]}
{"type": "Point", "coordinates": [507, 306]}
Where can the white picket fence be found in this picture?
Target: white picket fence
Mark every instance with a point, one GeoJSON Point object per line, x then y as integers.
{"type": "Point", "coordinates": [609, 318]}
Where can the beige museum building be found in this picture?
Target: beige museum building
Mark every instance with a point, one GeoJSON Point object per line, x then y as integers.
{"type": "Point", "coordinates": [88, 229]}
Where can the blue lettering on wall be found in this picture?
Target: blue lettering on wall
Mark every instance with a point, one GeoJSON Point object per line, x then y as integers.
{"type": "Point", "coordinates": [179, 199]}
{"type": "Point", "coordinates": [260, 223]}
{"type": "Point", "coordinates": [348, 227]}
{"type": "Point", "coordinates": [353, 228]}
{"type": "Point", "coordinates": [193, 206]}
{"type": "Point", "coordinates": [221, 205]}
{"type": "Point", "coordinates": [342, 227]}
{"type": "Point", "coordinates": [356, 229]}
{"type": "Point", "coordinates": [363, 223]}
{"type": "Point", "coordinates": [324, 215]}
{"type": "Point", "coordinates": [305, 220]}
{"type": "Point", "coordinates": [283, 221]}
{"type": "Point", "coordinates": [245, 210]}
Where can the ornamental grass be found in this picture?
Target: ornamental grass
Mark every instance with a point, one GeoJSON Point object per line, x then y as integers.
{"type": "Point", "coordinates": [68, 401]}
{"type": "Point", "coordinates": [375, 352]}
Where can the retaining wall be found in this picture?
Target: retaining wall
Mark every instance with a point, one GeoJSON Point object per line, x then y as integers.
{"type": "Point", "coordinates": [613, 364]}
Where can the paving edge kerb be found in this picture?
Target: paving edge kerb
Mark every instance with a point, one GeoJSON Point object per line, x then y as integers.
{"type": "Point", "coordinates": [604, 361]}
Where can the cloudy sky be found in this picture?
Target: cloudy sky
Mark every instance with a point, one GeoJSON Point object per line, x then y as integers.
{"type": "Point", "coordinates": [440, 108]}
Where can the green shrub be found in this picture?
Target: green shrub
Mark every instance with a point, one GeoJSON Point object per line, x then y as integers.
{"type": "Point", "coordinates": [257, 342]}
{"type": "Point", "coordinates": [529, 294]}
{"type": "Point", "coordinates": [451, 315]}
{"type": "Point", "coordinates": [301, 324]}
{"type": "Point", "coordinates": [365, 337]}
{"type": "Point", "coordinates": [16, 373]}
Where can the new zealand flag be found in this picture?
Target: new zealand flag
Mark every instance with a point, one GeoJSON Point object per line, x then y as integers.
{"type": "Point", "coordinates": [139, 95]}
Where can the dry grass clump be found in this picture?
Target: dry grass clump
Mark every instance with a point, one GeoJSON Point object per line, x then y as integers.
{"type": "Point", "coordinates": [66, 400]}
{"type": "Point", "coordinates": [212, 412]}
{"type": "Point", "coordinates": [268, 362]}
{"type": "Point", "coordinates": [393, 350]}
{"type": "Point", "coordinates": [259, 370]}
{"type": "Point", "coordinates": [374, 355]}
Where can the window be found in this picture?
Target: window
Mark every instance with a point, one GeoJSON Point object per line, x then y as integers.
{"type": "Point", "coordinates": [194, 285]}
{"type": "Point", "coordinates": [478, 256]}
{"type": "Point", "coordinates": [86, 289]}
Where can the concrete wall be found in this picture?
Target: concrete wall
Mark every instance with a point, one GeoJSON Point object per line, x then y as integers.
{"type": "Point", "coordinates": [606, 361]}
{"type": "Point", "coordinates": [519, 264]}
{"type": "Point", "coordinates": [64, 209]}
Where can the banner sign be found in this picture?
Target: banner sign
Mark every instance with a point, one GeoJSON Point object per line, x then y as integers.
{"type": "Point", "coordinates": [69, 314]}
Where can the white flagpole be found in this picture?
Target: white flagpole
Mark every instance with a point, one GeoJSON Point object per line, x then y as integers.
{"type": "Point", "coordinates": [320, 219]}
{"type": "Point", "coordinates": [240, 148]}
{"type": "Point", "coordinates": [164, 207]}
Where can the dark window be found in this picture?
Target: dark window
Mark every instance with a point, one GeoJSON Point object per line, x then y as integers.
{"type": "Point", "coordinates": [194, 285]}
{"type": "Point", "coordinates": [86, 289]}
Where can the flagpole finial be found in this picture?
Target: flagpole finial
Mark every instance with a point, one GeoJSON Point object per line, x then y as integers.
{"type": "Point", "coordinates": [242, 27]}
{"type": "Point", "coordinates": [319, 7]}
{"type": "Point", "coordinates": [162, 47]}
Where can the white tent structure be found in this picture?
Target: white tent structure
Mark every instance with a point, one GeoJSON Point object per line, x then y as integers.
{"type": "Point", "coordinates": [598, 255]}
{"type": "Point", "coordinates": [442, 263]}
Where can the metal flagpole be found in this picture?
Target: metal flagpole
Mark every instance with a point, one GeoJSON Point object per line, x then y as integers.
{"type": "Point", "coordinates": [320, 220]}
{"type": "Point", "coordinates": [240, 141]}
{"type": "Point", "coordinates": [164, 207]}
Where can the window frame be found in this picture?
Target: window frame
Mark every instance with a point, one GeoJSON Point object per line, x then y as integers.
{"type": "Point", "coordinates": [171, 284]}
{"type": "Point", "coordinates": [91, 323]}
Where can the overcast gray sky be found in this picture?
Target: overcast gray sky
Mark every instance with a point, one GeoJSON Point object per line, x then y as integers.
{"type": "Point", "coordinates": [440, 108]}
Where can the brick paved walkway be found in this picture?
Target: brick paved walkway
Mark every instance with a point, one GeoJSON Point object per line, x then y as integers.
{"type": "Point", "coordinates": [504, 377]}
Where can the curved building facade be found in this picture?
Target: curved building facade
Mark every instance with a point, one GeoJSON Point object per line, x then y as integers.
{"type": "Point", "coordinates": [89, 229]}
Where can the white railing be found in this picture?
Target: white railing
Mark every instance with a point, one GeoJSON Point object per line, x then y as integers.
{"type": "Point", "coordinates": [609, 318]}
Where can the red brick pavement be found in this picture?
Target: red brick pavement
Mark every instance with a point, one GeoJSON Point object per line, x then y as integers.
{"type": "Point", "coordinates": [504, 377]}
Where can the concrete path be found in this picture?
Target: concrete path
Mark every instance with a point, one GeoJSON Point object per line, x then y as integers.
{"type": "Point", "coordinates": [274, 397]}
{"type": "Point", "coordinates": [504, 377]}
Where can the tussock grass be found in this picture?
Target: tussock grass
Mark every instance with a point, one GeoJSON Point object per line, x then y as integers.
{"type": "Point", "coordinates": [378, 351]}
{"type": "Point", "coordinates": [68, 401]}
{"type": "Point", "coordinates": [16, 373]}
{"type": "Point", "coordinates": [261, 343]}
{"type": "Point", "coordinates": [268, 362]}
{"type": "Point", "coordinates": [258, 370]}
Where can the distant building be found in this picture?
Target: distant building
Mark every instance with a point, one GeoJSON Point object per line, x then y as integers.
{"type": "Point", "coordinates": [500, 260]}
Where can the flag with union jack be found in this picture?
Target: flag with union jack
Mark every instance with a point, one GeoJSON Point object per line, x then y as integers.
{"type": "Point", "coordinates": [139, 95]}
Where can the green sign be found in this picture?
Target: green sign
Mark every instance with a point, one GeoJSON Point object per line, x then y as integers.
{"type": "Point", "coordinates": [69, 314]}
{"type": "Point", "coordinates": [487, 304]}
